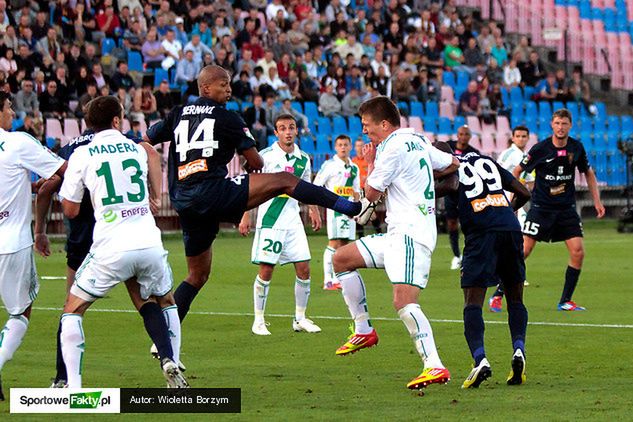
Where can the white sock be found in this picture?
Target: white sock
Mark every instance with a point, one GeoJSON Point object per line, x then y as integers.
{"type": "Point", "coordinates": [354, 295]}
{"type": "Point", "coordinates": [11, 337]}
{"type": "Point", "coordinates": [421, 334]}
{"type": "Point", "coordinates": [173, 325]}
{"type": "Point", "coordinates": [302, 293]}
{"type": "Point", "coordinates": [73, 346]}
{"type": "Point", "coordinates": [328, 271]}
{"type": "Point", "coordinates": [260, 294]}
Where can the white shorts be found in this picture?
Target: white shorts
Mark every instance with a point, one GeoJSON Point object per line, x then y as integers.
{"type": "Point", "coordinates": [272, 246]}
{"type": "Point", "coordinates": [100, 272]}
{"type": "Point", "coordinates": [18, 280]}
{"type": "Point", "coordinates": [340, 226]}
{"type": "Point", "coordinates": [405, 261]}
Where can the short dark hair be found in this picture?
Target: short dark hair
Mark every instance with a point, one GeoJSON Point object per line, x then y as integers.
{"type": "Point", "coordinates": [522, 128]}
{"type": "Point", "coordinates": [562, 113]}
{"type": "Point", "coordinates": [4, 96]}
{"type": "Point", "coordinates": [284, 116]}
{"type": "Point", "coordinates": [344, 137]}
{"type": "Point", "coordinates": [381, 108]}
{"type": "Point", "coordinates": [102, 111]}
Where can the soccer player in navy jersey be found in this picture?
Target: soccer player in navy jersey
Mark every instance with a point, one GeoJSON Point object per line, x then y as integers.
{"type": "Point", "coordinates": [493, 253]}
{"type": "Point", "coordinates": [205, 137]}
{"type": "Point", "coordinates": [553, 216]}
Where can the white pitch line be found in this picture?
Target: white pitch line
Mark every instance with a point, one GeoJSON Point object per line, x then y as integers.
{"type": "Point", "coordinates": [450, 321]}
{"type": "Point", "coordinates": [49, 277]}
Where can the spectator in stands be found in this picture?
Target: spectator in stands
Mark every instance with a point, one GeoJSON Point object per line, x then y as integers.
{"type": "Point", "coordinates": [499, 51]}
{"type": "Point", "coordinates": [579, 91]}
{"type": "Point", "coordinates": [393, 39]}
{"type": "Point", "coordinates": [48, 45]}
{"type": "Point", "coordinates": [286, 108]}
{"type": "Point", "coordinates": [74, 60]}
{"type": "Point", "coordinates": [298, 38]}
{"type": "Point", "coordinates": [283, 67]}
{"type": "Point", "coordinates": [242, 88]}
{"type": "Point", "coordinates": [25, 59]}
{"type": "Point", "coordinates": [8, 63]}
{"type": "Point", "coordinates": [187, 70]}
{"type": "Point", "coordinates": [308, 87]}
{"type": "Point", "coordinates": [39, 83]}
{"type": "Point", "coordinates": [454, 57]}
{"type": "Point", "coordinates": [152, 50]}
{"type": "Point", "coordinates": [65, 87]}
{"type": "Point", "coordinates": [40, 26]}
{"type": "Point", "coordinates": [226, 43]}
{"type": "Point", "coordinates": [199, 48]}
{"type": "Point", "coordinates": [255, 119]}
{"type": "Point", "coordinates": [428, 89]}
{"type": "Point", "coordinates": [99, 77]}
{"type": "Point", "coordinates": [563, 87]}
{"type": "Point", "coordinates": [523, 50]}
{"type": "Point", "coordinates": [29, 126]}
{"type": "Point", "coordinates": [351, 47]}
{"type": "Point", "coordinates": [351, 103]}
{"type": "Point", "coordinates": [135, 35]}
{"type": "Point", "coordinates": [472, 55]}
{"type": "Point", "coordinates": [257, 79]}
{"type": "Point", "coordinates": [82, 80]}
{"type": "Point", "coordinates": [164, 99]}
{"type": "Point", "coordinates": [108, 23]}
{"type": "Point", "coordinates": [26, 101]}
{"type": "Point", "coordinates": [273, 7]}
{"type": "Point", "coordinates": [379, 62]}
{"type": "Point", "coordinates": [90, 55]}
{"type": "Point", "coordinates": [89, 95]}
{"type": "Point", "coordinates": [122, 78]}
{"type": "Point", "coordinates": [432, 56]}
{"type": "Point", "coordinates": [51, 105]}
{"type": "Point", "coordinates": [267, 62]}
{"type": "Point", "coordinates": [144, 104]}
{"type": "Point", "coordinates": [533, 71]}
{"type": "Point", "coordinates": [124, 98]}
{"type": "Point", "coordinates": [469, 101]}
{"type": "Point", "coordinates": [329, 105]}
{"type": "Point", "coordinates": [332, 9]}
{"type": "Point", "coordinates": [382, 83]}
{"type": "Point", "coordinates": [273, 80]}
{"type": "Point", "coordinates": [206, 35]}
{"type": "Point", "coordinates": [173, 50]}
{"type": "Point", "coordinates": [246, 63]}
{"type": "Point", "coordinates": [547, 88]}
{"type": "Point", "coordinates": [402, 86]}
{"type": "Point", "coordinates": [511, 75]}
{"type": "Point", "coordinates": [135, 129]}
{"type": "Point", "coordinates": [485, 39]}
{"type": "Point", "coordinates": [271, 111]}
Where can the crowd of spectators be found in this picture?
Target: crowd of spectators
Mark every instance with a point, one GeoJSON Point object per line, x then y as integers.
{"type": "Point", "coordinates": [335, 53]}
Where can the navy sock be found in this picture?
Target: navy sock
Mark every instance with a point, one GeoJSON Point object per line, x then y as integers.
{"type": "Point", "coordinates": [60, 366]}
{"type": "Point", "coordinates": [474, 332]}
{"type": "Point", "coordinates": [184, 295]}
{"type": "Point", "coordinates": [453, 236]}
{"type": "Point", "coordinates": [156, 327]}
{"type": "Point", "coordinates": [316, 195]}
{"type": "Point", "coordinates": [517, 320]}
{"type": "Point", "coordinates": [499, 291]}
{"type": "Point", "coordinates": [571, 280]}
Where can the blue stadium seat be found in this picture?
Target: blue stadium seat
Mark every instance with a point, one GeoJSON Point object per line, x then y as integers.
{"type": "Point", "coordinates": [323, 144]}
{"type": "Point", "coordinates": [599, 124]}
{"type": "Point", "coordinates": [602, 109]}
{"type": "Point", "coordinates": [459, 90]}
{"type": "Point", "coordinates": [531, 110]}
{"type": "Point", "coordinates": [430, 123]}
{"type": "Point", "coordinates": [462, 78]}
{"type": "Point", "coordinates": [515, 120]}
{"type": "Point", "coordinates": [416, 109]}
{"type": "Point", "coordinates": [505, 97]}
{"type": "Point", "coordinates": [586, 125]}
{"type": "Point", "coordinates": [532, 124]}
{"type": "Point", "coordinates": [573, 109]}
{"type": "Point", "coordinates": [307, 144]}
{"type": "Point", "coordinates": [403, 106]}
{"type": "Point", "coordinates": [246, 105]}
{"type": "Point", "coordinates": [324, 126]}
{"type": "Point", "coordinates": [16, 124]}
{"type": "Point", "coordinates": [627, 125]}
{"type": "Point", "coordinates": [296, 105]}
{"type": "Point", "coordinates": [310, 110]}
{"type": "Point", "coordinates": [516, 95]}
{"type": "Point", "coordinates": [458, 122]}
{"type": "Point", "coordinates": [528, 91]}
{"type": "Point", "coordinates": [159, 75]}
{"type": "Point", "coordinates": [340, 125]}
{"type": "Point", "coordinates": [432, 109]}
{"type": "Point", "coordinates": [135, 61]}
{"type": "Point", "coordinates": [354, 124]}
{"type": "Point", "coordinates": [557, 105]}
{"type": "Point", "coordinates": [449, 79]}
{"type": "Point", "coordinates": [545, 110]}
{"type": "Point", "coordinates": [107, 45]}
{"type": "Point", "coordinates": [271, 140]}
{"type": "Point", "coordinates": [517, 110]}
{"type": "Point", "coordinates": [544, 124]}
{"type": "Point", "coordinates": [612, 141]}
{"type": "Point", "coordinates": [445, 126]}
{"type": "Point", "coordinates": [233, 105]}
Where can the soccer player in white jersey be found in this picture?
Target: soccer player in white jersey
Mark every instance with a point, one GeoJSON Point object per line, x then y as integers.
{"type": "Point", "coordinates": [126, 241]}
{"type": "Point", "coordinates": [279, 235]}
{"type": "Point", "coordinates": [509, 159]}
{"type": "Point", "coordinates": [402, 164]}
{"type": "Point", "coordinates": [340, 175]}
{"type": "Point", "coordinates": [20, 154]}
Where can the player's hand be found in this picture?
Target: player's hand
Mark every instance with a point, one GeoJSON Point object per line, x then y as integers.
{"type": "Point", "coordinates": [42, 245]}
{"type": "Point", "coordinates": [154, 205]}
{"type": "Point", "coordinates": [315, 220]}
{"type": "Point", "coordinates": [600, 210]}
{"type": "Point", "coordinates": [369, 152]}
{"type": "Point", "coordinates": [244, 228]}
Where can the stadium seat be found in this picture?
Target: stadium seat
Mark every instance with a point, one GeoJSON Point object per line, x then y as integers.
{"type": "Point", "coordinates": [488, 145]}
{"type": "Point", "coordinates": [307, 144]}
{"type": "Point", "coordinates": [296, 105]}
{"type": "Point", "coordinates": [445, 126]}
{"type": "Point", "coordinates": [17, 123]}
{"type": "Point", "coordinates": [446, 110]}
{"type": "Point", "coordinates": [447, 94]}
{"type": "Point", "coordinates": [311, 110]}
{"type": "Point", "coordinates": [517, 110]}
{"type": "Point", "coordinates": [404, 122]}
{"type": "Point", "coordinates": [586, 124]}
{"type": "Point", "coordinates": [340, 125]}
{"type": "Point", "coordinates": [135, 61]}
{"type": "Point", "coordinates": [531, 110]}
{"type": "Point", "coordinates": [430, 124]}
{"type": "Point", "coordinates": [233, 105]}
{"type": "Point", "coordinates": [323, 144]}
{"type": "Point", "coordinates": [473, 124]}
{"type": "Point", "coordinates": [324, 126]}
{"type": "Point", "coordinates": [545, 110]}
{"type": "Point", "coordinates": [355, 125]}
{"type": "Point", "coordinates": [403, 106]}
{"type": "Point", "coordinates": [415, 123]}
{"type": "Point", "coordinates": [432, 109]}
{"type": "Point", "coordinates": [503, 126]}
{"type": "Point", "coordinates": [107, 45]}
{"type": "Point", "coordinates": [416, 109]}
{"type": "Point", "coordinates": [160, 75]}
{"type": "Point", "coordinates": [71, 128]}
{"type": "Point", "coordinates": [528, 91]}
{"type": "Point", "coordinates": [54, 129]}
{"type": "Point", "coordinates": [557, 105]}
{"type": "Point", "coordinates": [613, 124]}
{"type": "Point", "coordinates": [462, 78]}
{"type": "Point", "coordinates": [516, 95]}
{"type": "Point", "coordinates": [125, 126]}
{"type": "Point", "coordinates": [271, 140]}
{"type": "Point", "coordinates": [627, 125]}
{"type": "Point", "coordinates": [449, 78]}
{"type": "Point", "coordinates": [458, 122]}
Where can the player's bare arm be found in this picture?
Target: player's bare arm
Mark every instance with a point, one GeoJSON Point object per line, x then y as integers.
{"type": "Point", "coordinates": [254, 161]}
{"type": "Point", "coordinates": [521, 194]}
{"type": "Point", "coordinates": [245, 224]}
{"type": "Point", "coordinates": [315, 217]}
{"type": "Point", "coordinates": [592, 184]}
{"type": "Point", "coordinates": [154, 177]}
{"type": "Point", "coordinates": [42, 205]}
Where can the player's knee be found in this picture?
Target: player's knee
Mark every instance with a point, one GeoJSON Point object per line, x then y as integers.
{"type": "Point", "coordinates": [340, 262]}
{"type": "Point", "coordinates": [577, 254]}
{"type": "Point", "coordinates": [198, 278]}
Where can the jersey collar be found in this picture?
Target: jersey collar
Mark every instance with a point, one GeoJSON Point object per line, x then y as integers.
{"type": "Point", "coordinates": [296, 152]}
{"type": "Point", "coordinates": [345, 163]}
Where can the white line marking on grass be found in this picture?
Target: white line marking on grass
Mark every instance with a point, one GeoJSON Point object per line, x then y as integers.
{"type": "Point", "coordinates": [450, 321]}
{"type": "Point", "coordinates": [49, 277]}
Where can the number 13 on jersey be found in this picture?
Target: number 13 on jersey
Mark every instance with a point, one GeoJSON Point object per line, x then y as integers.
{"type": "Point", "coordinates": [202, 138]}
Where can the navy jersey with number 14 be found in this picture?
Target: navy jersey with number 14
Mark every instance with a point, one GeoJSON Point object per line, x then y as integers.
{"type": "Point", "coordinates": [483, 205]}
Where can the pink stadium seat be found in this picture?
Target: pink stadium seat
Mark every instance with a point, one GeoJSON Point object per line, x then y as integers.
{"type": "Point", "coordinates": [447, 94]}
{"type": "Point", "coordinates": [416, 124]}
{"type": "Point", "coordinates": [430, 136]}
{"type": "Point", "coordinates": [71, 128]}
{"type": "Point", "coordinates": [473, 124]}
{"type": "Point", "coordinates": [125, 126]}
{"type": "Point", "coordinates": [475, 142]}
{"type": "Point", "coordinates": [403, 122]}
{"type": "Point", "coordinates": [143, 126]}
{"type": "Point", "coordinates": [83, 125]}
{"type": "Point", "coordinates": [503, 126]}
{"type": "Point", "coordinates": [488, 145]}
{"type": "Point", "coordinates": [533, 140]}
{"type": "Point", "coordinates": [54, 129]}
{"type": "Point", "coordinates": [443, 138]}
{"type": "Point", "coordinates": [446, 110]}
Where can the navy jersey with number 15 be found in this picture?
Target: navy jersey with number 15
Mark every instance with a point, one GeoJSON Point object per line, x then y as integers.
{"type": "Point", "coordinates": [205, 137]}
{"type": "Point", "coordinates": [483, 205]}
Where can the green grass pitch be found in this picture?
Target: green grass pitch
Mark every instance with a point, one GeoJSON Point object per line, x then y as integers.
{"type": "Point", "coordinates": [578, 364]}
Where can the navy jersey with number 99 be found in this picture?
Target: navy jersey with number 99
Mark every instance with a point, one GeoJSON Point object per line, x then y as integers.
{"type": "Point", "coordinates": [483, 205]}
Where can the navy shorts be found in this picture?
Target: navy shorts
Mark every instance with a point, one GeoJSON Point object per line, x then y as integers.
{"type": "Point", "coordinates": [552, 225]}
{"type": "Point", "coordinates": [75, 255]}
{"type": "Point", "coordinates": [450, 207]}
{"type": "Point", "coordinates": [222, 200]}
{"type": "Point", "coordinates": [493, 257]}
